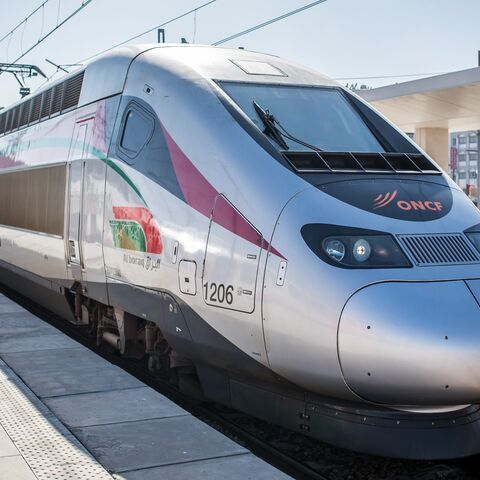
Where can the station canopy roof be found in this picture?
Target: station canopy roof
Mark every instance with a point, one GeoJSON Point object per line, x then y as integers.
{"type": "Point", "coordinates": [451, 100]}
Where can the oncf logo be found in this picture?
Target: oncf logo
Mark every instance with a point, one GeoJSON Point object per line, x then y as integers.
{"type": "Point", "coordinates": [385, 199]}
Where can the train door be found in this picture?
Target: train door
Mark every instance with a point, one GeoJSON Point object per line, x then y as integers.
{"type": "Point", "coordinates": [76, 169]}
{"type": "Point", "coordinates": [231, 259]}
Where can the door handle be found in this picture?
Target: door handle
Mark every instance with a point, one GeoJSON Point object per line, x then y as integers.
{"type": "Point", "coordinates": [71, 243]}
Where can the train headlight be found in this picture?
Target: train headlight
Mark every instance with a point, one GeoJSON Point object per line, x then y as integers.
{"type": "Point", "coordinates": [335, 249]}
{"type": "Point", "coordinates": [366, 251]}
{"type": "Point", "coordinates": [350, 247]}
{"type": "Point", "coordinates": [361, 250]}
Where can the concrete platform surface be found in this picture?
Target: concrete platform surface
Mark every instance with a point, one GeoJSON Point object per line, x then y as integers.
{"type": "Point", "coordinates": [240, 467]}
{"type": "Point", "coordinates": [66, 413]}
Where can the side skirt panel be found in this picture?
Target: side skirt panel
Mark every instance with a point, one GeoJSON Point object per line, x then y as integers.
{"type": "Point", "coordinates": [185, 331]}
{"type": "Point", "coordinates": [369, 429]}
{"type": "Point", "coordinates": [42, 291]}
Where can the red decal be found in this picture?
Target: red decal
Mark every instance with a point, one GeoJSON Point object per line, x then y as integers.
{"type": "Point", "coordinates": [384, 199]}
{"type": "Point", "coordinates": [404, 205]}
{"type": "Point", "coordinates": [201, 195]}
{"type": "Point", "coordinates": [145, 218]}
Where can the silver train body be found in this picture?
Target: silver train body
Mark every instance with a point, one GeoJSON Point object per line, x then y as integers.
{"type": "Point", "coordinates": [298, 256]}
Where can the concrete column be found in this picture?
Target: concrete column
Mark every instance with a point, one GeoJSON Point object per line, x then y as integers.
{"type": "Point", "coordinates": [435, 142]}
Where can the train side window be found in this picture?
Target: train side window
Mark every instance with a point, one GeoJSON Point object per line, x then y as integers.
{"type": "Point", "coordinates": [137, 130]}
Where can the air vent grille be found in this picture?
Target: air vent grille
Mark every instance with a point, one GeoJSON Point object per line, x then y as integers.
{"type": "Point", "coordinates": [37, 103]}
{"type": "Point", "coordinates": [46, 102]}
{"type": "Point", "coordinates": [73, 87]}
{"type": "Point", "coordinates": [439, 249]}
{"type": "Point", "coordinates": [7, 116]}
{"type": "Point", "coordinates": [14, 118]}
{"type": "Point", "coordinates": [361, 162]}
{"type": "Point", "coordinates": [25, 112]}
{"type": "Point", "coordinates": [58, 99]}
{"type": "Point", "coordinates": [3, 119]}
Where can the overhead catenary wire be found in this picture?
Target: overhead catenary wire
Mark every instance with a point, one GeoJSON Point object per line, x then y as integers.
{"type": "Point", "coordinates": [194, 27]}
{"type": "Point", "coordinates": [47, 80]}
{"type": "Point", "coordinates": [58, 10]}
{"type": "Point", "coordinates": [25, 20]}
{"type": "Point", "coordinates": [178, 17]}
{"type": "Point", "coordinates": [268, 22]}
{"type": "Point", "coordinates": [40, 40]}
{"type": "Point", "coordinates": [59, 68]}
{"type": "Point", "coordinates": [43, 24]}
{"type": "Point", "coordinates": [8, 46]}
{"type": "Point", "coordinates": [21, 37]}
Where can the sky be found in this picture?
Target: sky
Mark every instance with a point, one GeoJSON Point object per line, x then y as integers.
{"type": "Point", "coordinates": [341, 38]}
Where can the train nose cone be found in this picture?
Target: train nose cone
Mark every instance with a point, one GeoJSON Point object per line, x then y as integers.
{"type": "Point", "coordinates": [412, 343]}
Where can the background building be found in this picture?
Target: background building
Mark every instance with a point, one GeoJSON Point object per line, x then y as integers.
{"type": "Point", "coordinates": [463, 161]}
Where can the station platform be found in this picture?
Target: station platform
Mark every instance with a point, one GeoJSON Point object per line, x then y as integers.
{"type": "Point", "coordinates": [66, 413]}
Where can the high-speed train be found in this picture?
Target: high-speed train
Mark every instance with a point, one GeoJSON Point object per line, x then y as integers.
{"type": "Point", "coordinates": [259, 230]}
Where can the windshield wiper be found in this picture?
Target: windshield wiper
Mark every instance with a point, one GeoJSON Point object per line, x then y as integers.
{"type": "Point", "coordinates": [277, 133]}
{"type": "Point", "coordinates": [270, 128]}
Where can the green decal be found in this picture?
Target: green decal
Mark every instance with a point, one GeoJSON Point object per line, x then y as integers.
{"type": "Point", "coordinates": [129, 235]}
{"type": "Point", "coordinates": [117, 169]}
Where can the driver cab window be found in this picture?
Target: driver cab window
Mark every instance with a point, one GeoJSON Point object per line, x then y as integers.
{"type": "Point", "coordinates": [137, 130]}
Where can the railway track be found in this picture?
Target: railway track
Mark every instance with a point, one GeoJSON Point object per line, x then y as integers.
{"type": "Point", "coordinates": [295, 454]}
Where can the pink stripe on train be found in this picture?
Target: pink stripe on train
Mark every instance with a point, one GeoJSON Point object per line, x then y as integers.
{"type": "Point", "coordinates": [201, 195]}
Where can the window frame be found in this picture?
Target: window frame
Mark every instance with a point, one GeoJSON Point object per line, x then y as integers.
{"type": "Point", "coordinates": [129, 155]}
{"type": "Point", "coordinates": [371, 128]}
{"type": "Point", "coordinates": [390, 143]}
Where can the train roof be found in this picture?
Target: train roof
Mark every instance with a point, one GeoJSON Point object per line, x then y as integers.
{"type": "Point", "coordinates": [105, 75]}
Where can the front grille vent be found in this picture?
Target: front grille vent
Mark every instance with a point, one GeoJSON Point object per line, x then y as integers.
{"type": "Point", "coordinates": [439, 249]}
{"type": "Point", "coordinates": [352, 162]}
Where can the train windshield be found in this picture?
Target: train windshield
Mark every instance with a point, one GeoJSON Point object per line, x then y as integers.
{"type": "Point", "coordinates": [320, 117]}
